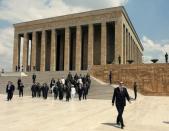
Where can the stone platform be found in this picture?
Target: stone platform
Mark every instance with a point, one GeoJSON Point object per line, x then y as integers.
{"type": "Point", "coordinates": [98, 90]}
{"type": "Point", "coordinates": [13, 74]}
{"type": "Point", "coordinates": [152, 79]}
{"type": "Point", "coordinates": [27, 114]}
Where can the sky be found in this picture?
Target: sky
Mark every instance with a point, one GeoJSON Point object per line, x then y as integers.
{"type": "Point", "coordinates": [149, 17]}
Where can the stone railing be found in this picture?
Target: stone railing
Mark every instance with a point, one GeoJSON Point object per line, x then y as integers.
{"type": "Point", "coordinates": [152, 79]}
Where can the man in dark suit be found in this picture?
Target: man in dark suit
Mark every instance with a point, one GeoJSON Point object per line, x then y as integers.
{"type": "Point", "coordinates": [166, 57]}
{"type": "Point", "coordinates": [33, 89]}
{"type": "Point", "coordinates": [10, 88]}
{"type": "Point", "coordinates": [34, 77]}
{"type": "Point", "coordinates": [135, 90]}
{"type": "Point", "coordinates": [20, 88]}
{"type": "Point", "coordinates": [19, 82]}
{"type": "Point", "coordinates": [110, 77]}
{"type": "Point", "coordinates": [119, 97]}
{"type": "Point", "coordinates": [45, 90]}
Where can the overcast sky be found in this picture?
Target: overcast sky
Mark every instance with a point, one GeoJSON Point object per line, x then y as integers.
{"type": "Point", "coordinates": [149, 17]}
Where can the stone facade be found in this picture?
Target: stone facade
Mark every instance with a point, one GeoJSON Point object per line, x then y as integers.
{"type": "Point", "coordinates": [77, 41]}
{"type": "Point", "coordinates": [152, 79]}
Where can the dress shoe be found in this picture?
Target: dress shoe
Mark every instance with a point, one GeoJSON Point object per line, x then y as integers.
{"type": "Point", "coordinates": [118, 123]}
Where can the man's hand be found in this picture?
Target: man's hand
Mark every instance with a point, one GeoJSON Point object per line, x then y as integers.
{"type": "Point", "coordinates": [112, 104]}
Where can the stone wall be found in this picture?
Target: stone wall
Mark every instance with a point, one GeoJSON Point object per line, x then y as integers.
{"type": "Point", "coordinates": [152, 79]}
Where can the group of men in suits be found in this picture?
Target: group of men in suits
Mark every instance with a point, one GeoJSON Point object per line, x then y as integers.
{"type": "Point", "coordinates": [38, 90]}
{"type": "Point", "coordinates": [10, 88]}
{"type": "Point", "coordinates": [68, 87]}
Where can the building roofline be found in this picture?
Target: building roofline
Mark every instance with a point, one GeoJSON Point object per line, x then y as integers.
{"type": "Point", "coordinates": [83, 14]}
{"type": "Point", "coordinates": [132, 27]}
{"type": "Point", "coordinates": [74, 15]}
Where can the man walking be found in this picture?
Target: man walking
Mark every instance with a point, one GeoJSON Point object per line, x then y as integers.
{"type": "Point", "coordinates": [20, 88]}
{"type": "Point", "coordinates": [55, 91]}
{"type": "Point", "coordinates": [34, 78]}
{"type": "Point", "coordinates": [19, 82]}
{"type": "Point", "coordinates": [45, 90]}
{"type": "Point", "coordinates": [135, 90]}
{"type": "Point", "coordinates": [110, 77]}
{"type": "Point", "coordinates": [80, 91]}
{"type": "Point", "coordinates": [119, 97]}
{"type": "Point", "coordinates": [33, 89]}
{"type": "Point", "coordinates": [10, 88]}
{"type": "Point", "coordinates": [166, 57]}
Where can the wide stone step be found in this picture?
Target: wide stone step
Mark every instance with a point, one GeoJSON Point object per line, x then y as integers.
{"type": "Point", "coordinates": [97, 91]}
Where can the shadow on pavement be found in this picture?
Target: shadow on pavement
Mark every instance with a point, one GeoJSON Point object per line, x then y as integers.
{"type": "Point", "coordinates": [166, 122]}
{"type": "Point", "coordinates": [111, 124]}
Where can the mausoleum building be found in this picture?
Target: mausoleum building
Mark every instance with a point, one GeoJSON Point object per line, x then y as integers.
{"type": "Point", "coordinates": [77, 41]}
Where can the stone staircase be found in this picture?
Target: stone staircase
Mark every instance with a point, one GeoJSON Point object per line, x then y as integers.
{"type": "Point", "coordinates": [97, 90]}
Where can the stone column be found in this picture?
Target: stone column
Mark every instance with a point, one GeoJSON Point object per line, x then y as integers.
{"type": "Point", "coordinates": [125, 56]}
{"type": "Point", "coordinates": [53, 51]}
{"type": "Point", "coordinates": [103, 43]}
{"type": "Point", "coordinates": [15, 51]}
{"type": "Point", "coordinates": [78, 48]}
{"type": "Point", "coordinates": [19, 53]}
{"type": "Point", "coordinates": [66, 49]}
{"type": "Point", "coordinates": [33, 55]}
{"type": "Point", "coordinates": [129, 47]}
{"type": "Point", "coordinates": [141, 59]}
{"type": "Point", "coordinates": [135, 53]}
{"type": "Point", "coordinates": [118, 39]}
{"type": "Point", "coordinates": [124, 45]}
{"type": "Point", "coordinates": [132, 46]}
{"type": "Point", "coordinates": [25, 52]}
{"type": "Point", "coordinates": [138, 56]}
{"type": "Point", "coordinates": [43, 51]}
{"type": "Point", "coordinates": [90, 45]}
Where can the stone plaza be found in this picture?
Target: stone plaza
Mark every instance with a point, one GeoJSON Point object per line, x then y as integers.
{"type": "Point", "coordinates": [27, 114]}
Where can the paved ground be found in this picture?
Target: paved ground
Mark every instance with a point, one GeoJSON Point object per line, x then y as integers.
{"type": "Point", "coordinates": [27, 114]}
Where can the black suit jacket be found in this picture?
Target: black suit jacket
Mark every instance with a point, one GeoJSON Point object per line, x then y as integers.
{"type": "Point", "coordinates": [120, 97]}
{"type": "Point", "coordinates": [11, 89]}
{"type": "Point", "coordinates": [33, 77]}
